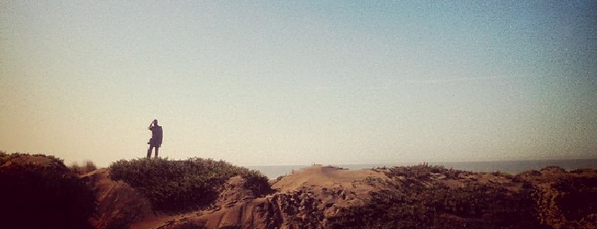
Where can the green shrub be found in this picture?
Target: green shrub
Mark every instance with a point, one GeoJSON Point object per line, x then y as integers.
{"type": "Point", "coordinates": [257, 183]}
{"type": "Point", "coordinates": [38, 191]}
{"type": "Point", "coordinates": [183, 185]}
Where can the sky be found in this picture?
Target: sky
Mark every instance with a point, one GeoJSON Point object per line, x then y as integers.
{"type": "Point", "coordinates": [300, 82]}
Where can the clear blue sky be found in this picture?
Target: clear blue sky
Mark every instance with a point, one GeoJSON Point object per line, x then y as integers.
{"type": "Point", "coordinates": [285, 82]}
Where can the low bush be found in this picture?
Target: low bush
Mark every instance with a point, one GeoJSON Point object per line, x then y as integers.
{"type": "Point", "coordinates": [257, 183]}
{"type": "Point", "coordinates": [183, 185]}
{"type": "Point", "coordinates": [438, 206]}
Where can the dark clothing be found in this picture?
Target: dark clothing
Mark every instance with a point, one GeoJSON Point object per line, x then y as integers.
{"type": "Point", "coordinates": [155, 141]}
{"type": "Point", "coordinates": [157, 148]}
{"type": "Point", "coordinates": [156, 136]}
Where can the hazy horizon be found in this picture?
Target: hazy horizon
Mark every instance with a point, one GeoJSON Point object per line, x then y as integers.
{"type": "Point", "coordinates": [295, 83]}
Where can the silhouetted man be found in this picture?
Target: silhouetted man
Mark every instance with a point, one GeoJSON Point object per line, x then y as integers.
{"type": "Point", "coordinates": [156, 138]}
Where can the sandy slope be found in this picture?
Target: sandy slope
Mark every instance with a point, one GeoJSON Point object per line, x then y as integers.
{"type": "Point", "coordinates": [118, 203]}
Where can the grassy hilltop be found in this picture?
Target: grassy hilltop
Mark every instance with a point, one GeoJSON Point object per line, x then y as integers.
{"type": "Point", "coordinates": [179, 186]}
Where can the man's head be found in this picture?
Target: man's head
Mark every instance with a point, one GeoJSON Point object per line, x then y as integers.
{"type": "Point", "coordinates": [155, 122]}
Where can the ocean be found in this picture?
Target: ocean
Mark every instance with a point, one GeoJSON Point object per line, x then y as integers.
{"type": "Point", "coordinates": [512, 167]}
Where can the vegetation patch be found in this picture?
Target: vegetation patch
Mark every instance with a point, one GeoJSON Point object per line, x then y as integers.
{"type": "Point", "coordinates": [183, 185]}
{"type": "Point", "coordinates": [435, 205]}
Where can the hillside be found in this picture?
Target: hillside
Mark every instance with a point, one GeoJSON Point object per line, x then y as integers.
{"type": "Point", "coordinates": [39, 191]}
{"type": "Point", "coordinates": [215, 194]}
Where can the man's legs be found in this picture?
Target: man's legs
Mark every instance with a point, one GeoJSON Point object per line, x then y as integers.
{"type": "Point", "coordinates": [157, 148]}
{"type": "Point", "coordinates": [149, 151]}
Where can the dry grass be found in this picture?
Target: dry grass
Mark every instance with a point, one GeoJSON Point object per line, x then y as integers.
{"type": "Point", "coordinates": [88, 166]}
